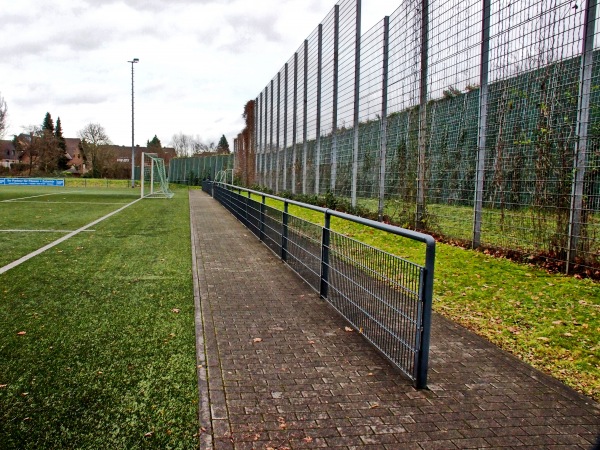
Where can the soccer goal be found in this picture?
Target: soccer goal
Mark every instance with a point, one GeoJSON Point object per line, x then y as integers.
{"type": "Point", "coordinates": [154, 178]}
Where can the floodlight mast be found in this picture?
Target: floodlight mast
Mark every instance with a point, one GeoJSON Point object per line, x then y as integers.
{"type": "Point", "coordinates": [135, 60]}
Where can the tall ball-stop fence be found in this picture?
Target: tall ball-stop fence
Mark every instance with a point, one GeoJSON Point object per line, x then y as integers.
{"type": "Point", "coordinates": [477, 120]}
{"type": "Point", "coordinates": [194, 169]}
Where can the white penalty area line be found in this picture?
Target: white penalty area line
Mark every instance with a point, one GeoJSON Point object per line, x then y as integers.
{"type": "Point", "coordinates": [63, 203]}
{"type": "Point", "coordinates": [35, 196]}
{"type": "Point", "coordinates": [20, 261]}
{"type": "Point", "coordinates": [39, 231]}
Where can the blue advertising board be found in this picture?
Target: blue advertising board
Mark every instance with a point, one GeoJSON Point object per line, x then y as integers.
{"type": "Point", "coordinates": [32, 182]}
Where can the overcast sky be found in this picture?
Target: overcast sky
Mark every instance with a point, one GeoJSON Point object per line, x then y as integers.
{"type": "Point", "coordinates": [200, 61]}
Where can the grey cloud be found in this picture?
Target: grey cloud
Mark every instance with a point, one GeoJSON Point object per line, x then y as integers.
{"type": "Point", "coordinates": [248, 30]}
{"type": "Point", "coordinates": [156, 5]}
{"type": "Point", "coordinates": [86, 98]}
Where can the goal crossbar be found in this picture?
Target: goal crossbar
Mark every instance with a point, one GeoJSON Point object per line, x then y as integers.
{"type": "Point", "coordinates": [153, 176]}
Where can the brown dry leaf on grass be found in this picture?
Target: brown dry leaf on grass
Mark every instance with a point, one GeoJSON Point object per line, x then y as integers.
{"type": "Point", "coordinates": [21, 333]}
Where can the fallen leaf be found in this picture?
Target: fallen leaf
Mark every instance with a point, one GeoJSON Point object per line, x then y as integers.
{"type": "Point", "coordinates": [311, 342]}
{"type": "Point", "coordinates": [374, 405]}
{"type": "Point", "coordinates": [21, 333]}
{"type": "Point", "coordinates": [149, 434]}
{"type": "Point", "coordinates": [308, 439]}
{"type": "Point", "coordinates": [257, 340]}
{"type": "Point", "coordinates": [348, 329]}
{"type": "Point", "coordinates": [175, 310]}
{"type": "Point", "coordinates": [3, 385]}
{"type": "Point", "coordinates": [542, 338]}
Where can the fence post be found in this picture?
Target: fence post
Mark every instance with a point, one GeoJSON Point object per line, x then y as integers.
{"type": "Point", "coordinates": [420, 216]}
{"type": "Point", "coordinates": [260, 140]}
{"type": "Point", "coordinates": [255, 141]}
{"type": "Point", "coordinates": [383, 129]}
{"type": "Point", "coordinates": [482, 128]}
{"type": "Point", "coordinates": [318, 125]}
{"type": "Point", "coordinates": [277, 145]}
{"type": "Point", "coordinates": [295, 125]}
{"type": "Point", "coordinates": [325, 241]}
{"type": "Point", "coordinates": [262, 219]}
{"type": "Point", "coordinates": [336, 44]}
{"type": "Point", "coordinates": [271, 140]}
{"type": "Point", "coordinates": [285, 128]}
{"type": "Point", "coordinates": [583, 117]}
{"type": "Point", "coordinates": [265, 147]}
{"type": "Point", "coordinates": [304, 119]}
{"type": "Point", "coordinates": [357, 42]}
{"type": "Point", "coordinates": [284, 231]}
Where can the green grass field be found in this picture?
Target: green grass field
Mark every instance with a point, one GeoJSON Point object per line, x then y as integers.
{"type": "Point", "coordinates": [97, 346]}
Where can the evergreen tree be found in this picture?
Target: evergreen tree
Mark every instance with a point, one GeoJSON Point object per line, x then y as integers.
{"type": "Point", "coordinates": [48, 125]}
{"type": "Point", "coordinates": [58, 133]}
{"type": "Point", "coordinates": [154, 144]}
{"type": "Point", "coordinates": [223, 145]}
{"type": "Point", "coordinates": [63, 159]}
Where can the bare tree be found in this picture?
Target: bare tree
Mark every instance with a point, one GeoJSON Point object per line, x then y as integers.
{"type": "Point", "coordinates": [94, 147]}
{"type": "Point", "coordinates": [94, 134]}
{"type": "Point", "coordinates": [182, 143]}
{"type": "Point", "coordinates": [3, 116]}
{"type": "Point", "coordinates": [188, 145]}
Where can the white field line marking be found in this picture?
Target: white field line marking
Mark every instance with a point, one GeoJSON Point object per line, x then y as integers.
{"type": "Point", "coordinates": [35, 196]}
{"type": "Point", "coordinates": [64, 203]}
{"type": "Point", "coordinates": [39, 231]}
{"type": "Point", "coordinates": [62, 239]}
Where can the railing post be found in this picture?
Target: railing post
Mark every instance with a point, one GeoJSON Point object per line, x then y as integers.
{"type": "Point", "coordinates": [426, 299]}
{"type": "Point", "coordinates": [284, 231]}
{"type": "Point", "coordinates": [324, 290]}
{"type": "Point", "coordinates": [262, 219]}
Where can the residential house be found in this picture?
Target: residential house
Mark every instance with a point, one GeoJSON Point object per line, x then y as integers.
{"type": "Point", "coordinates": [8, 154]}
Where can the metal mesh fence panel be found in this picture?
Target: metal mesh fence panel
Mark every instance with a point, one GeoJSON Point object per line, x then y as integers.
{"type": "Point", "coordinates": [327, 107]}
{"type": "Point", "coordinates": [385, 298]}
{"type": "Point", "coordinates": [342, 163]}
{"type": "Point", "coordinates": [370, 114]}
{"type": "Point", "coordinates": [379, 294]}
{"type": "Point", "coordinates": [193, 170]}
{"type": "Point", "coordinates": [477, 121]}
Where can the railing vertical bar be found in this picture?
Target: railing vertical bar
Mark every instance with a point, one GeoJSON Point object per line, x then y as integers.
{"type": "Point", "coordinates": [324, 291]}
{"type": "Point", "coordinates": [284, 231]}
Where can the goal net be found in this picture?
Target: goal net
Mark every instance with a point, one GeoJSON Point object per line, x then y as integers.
{"type": "Point", "coordinates": [154, 178]}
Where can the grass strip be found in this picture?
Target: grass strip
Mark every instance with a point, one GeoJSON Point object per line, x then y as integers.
{"type": "Point", "coordinates": [98, 349]}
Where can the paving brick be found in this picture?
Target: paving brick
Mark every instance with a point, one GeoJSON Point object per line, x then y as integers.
{"type": "Point", "coordinates": [307, 383]}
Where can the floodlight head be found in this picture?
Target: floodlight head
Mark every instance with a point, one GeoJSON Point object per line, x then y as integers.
{"type": "Point", "coordinates": [135, 60]}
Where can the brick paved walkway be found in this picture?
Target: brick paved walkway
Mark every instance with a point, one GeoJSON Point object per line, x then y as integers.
{"type": "Point", "coordinates": [277, 370]}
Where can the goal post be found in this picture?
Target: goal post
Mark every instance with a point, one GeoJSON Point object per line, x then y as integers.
{"type": "Point", "coordinates": [154, 181]}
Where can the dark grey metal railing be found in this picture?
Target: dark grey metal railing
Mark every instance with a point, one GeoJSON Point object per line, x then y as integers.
{"type": "Point", "coordinates": [385, 298]}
